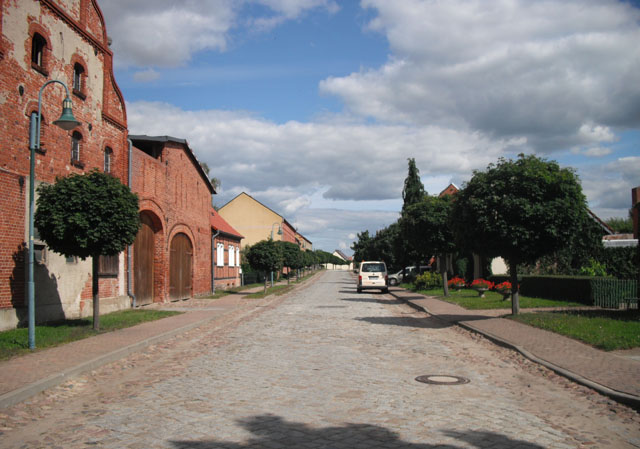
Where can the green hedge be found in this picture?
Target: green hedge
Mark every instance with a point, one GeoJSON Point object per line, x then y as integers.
{"type": "Point", "coordinates": [588, 290]}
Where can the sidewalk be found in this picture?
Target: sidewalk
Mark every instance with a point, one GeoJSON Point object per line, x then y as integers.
{"type": "Point", "coordinates": [608, 373]}
{"type": "Point", "coordinates": [30, 374]}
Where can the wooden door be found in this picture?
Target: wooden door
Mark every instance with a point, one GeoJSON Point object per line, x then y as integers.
{"type": "Point", "coordinates": [180, 267]}
{"type": "Point", "coordinates": [143, 251]}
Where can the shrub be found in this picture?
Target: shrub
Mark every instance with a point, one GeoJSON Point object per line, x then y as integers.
{"type": "Point", "coordinates": [428, 280]}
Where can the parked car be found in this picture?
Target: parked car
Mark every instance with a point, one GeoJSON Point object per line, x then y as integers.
{"type": "Point", "coordinates": [372, 275]}
{"type": "Point", "coordinates": [397, 278]}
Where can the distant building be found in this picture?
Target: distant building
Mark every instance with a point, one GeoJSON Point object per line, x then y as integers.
{"type": "Point", "coordinates": [226, 253]}
{"type": "Point", "coordinates": [257, 222]}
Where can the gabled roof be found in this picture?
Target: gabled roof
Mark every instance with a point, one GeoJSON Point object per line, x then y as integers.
{"type": "Point", "coordinates": [605, 227]}
{"type": "Point", "coordinates": [342, 255]}
{"type": "Point", "coordinates": [266, 207]}
{"type": "Point", "coordinates": [450, 189]}
{"type": "Point", "coordinates": [164, 139]}
{"type": "Point", "coordinates": [220, 224]}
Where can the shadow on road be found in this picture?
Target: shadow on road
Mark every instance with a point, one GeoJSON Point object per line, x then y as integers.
{"type": "Point", "coordinates": [425, 323]}
{"type": "Point", "coordinates": [272, 432]}
{"type": "Point", "coordinates": [373, 300]}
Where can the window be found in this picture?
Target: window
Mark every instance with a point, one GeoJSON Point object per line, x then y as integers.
{"type": "Point", "coordinates": [108, 265]}
{"type": "Point", "coordinates": [76, 139]}
{"type": "Point", "coordinates": [232, 256]}
{"type": "Point", "coordinates": [237, 256]}
{"type": "Point", "coordinates": [79, 81]}
{"type": "Point", "coordinates": [38, 44]}
{"type": "Point", "coordinates": [220, 255]}
{"type": "Point", "coordinates": [107, 159]}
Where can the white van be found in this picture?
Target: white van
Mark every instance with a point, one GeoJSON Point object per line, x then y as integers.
{"type": "Point", "coordinates": [373, 275]}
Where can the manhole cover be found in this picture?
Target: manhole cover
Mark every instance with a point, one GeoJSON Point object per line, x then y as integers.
{"type": "Point", "coordinates": [440, 379]}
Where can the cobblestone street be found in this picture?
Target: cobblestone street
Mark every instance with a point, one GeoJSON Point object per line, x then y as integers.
{"type": "Point", "coordinates": [323, 367]}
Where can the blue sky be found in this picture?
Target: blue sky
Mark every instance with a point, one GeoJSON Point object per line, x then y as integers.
{"type": "Point", "coordinates": [314, 106]}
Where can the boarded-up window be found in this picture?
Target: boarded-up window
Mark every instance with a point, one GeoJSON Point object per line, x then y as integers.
{"type": "Point", "coordinates": [108, 265]}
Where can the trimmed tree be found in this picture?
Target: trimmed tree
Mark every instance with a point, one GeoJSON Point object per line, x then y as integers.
{"type": "Point", "coordinates": [264, 256]}
{"type": "Point", "coordinates": [291, 256]}
{"type": "Point", "coordinates": [88, 215]}
{"type": "Point", "coordinates": [520, 210]}
{"type": "Point", "coordinates": [427, 223]}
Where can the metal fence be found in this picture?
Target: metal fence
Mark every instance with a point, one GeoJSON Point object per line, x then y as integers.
{"type": "Point", "coordinates": [612, 293]}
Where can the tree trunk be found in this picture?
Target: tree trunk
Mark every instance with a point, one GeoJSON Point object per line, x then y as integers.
{"type": "Point", "coordinates": [515, 289]}
{"type": "Point", "coordinates": [288, 275]}
{"type": "Point", "coordinates": [94, 289]}
{"type": "Point", "coordinates": [445, 275]}
{"type": "Point", "coordinates": [265, 284]}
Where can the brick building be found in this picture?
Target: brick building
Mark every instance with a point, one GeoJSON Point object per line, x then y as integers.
{"type": "Point", "coordinates": [67, 41]}
{"type": "Point", "coordinates": [172, 253]}
{"type": "Point", "coordinates": [227, 253]}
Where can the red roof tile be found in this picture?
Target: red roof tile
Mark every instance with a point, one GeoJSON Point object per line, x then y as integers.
{"type": "Point", "coordinates": [219, 224]}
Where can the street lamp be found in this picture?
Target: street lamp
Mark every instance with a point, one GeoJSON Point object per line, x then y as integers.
{"type": "Point", "coordinates": [67, 122]}
{"type": "Point", "coordinates": [279, 233]}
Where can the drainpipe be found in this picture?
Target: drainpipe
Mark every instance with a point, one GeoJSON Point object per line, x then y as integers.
{"type": "Point", "coordinates": [213, 264]}
{"type": "Point", "coordinates": [130, 249]}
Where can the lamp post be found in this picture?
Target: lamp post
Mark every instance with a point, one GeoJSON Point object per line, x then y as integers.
{"type": "Point", "coordinates": [67, 122]}
{"type": "Point", "coordinates": [279, 233]}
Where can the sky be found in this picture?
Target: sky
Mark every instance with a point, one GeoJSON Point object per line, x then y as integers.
{"type": "Point", "coordinates": [314, 106]}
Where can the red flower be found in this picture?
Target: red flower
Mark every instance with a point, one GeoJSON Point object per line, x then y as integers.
{"type": "Point", "coordinates": [481, 283]}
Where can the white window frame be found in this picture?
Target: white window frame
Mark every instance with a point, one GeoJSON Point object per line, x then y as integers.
{"type": "Point", "coordinates": [232, 256]}
{"type": "Point", "coordinates": [220, 255]}
{"type": "Point", "coordinates": [237, 256]}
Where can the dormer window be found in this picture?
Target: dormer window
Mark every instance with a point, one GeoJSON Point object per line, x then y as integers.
{"type": "Point", "coordinates": [79, 80]}
{"type": "Point", "coordinates": [38, 46]}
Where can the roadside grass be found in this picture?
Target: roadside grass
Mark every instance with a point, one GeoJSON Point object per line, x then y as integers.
{"type": "Point", "coordinates": [469, 299]}
{"type": "Point", "coordinates": [16, 341]}
{"type": "Point", "coordinates": [605, 329]}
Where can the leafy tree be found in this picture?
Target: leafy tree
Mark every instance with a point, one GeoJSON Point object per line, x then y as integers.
{"type": "Point", "coordinates": [412, 193]}
{"type": "Point", "coordinates": [585, 244]}
{"type": "Point", "coordinates": [291, 256]}
{"type": "Point", "coordinates": [87, 216]}
{"type": "Point", "coordinates": [427, 225]}
{"type": "Point", "coordinates": [621, 225]}
{"type": "Point", "coordinates": [264, 256]}
{"type": "Point", "coordinates": [413, 188]}
{"type": "Point", "coordinates": [362, 247]}
{"type": "Point", "coordinates": [520, 210]}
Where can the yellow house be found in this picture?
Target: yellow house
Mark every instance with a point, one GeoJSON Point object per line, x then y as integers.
{"type": "Point", "coordinates": [255, 221]}
{"type": "Point", "coordinates": [303, 242]}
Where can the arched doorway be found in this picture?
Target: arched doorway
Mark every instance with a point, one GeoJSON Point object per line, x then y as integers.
{"type": "Point", "coordinates": [143, 255]}
{"type": "Point", "coordinates": [180, 267]}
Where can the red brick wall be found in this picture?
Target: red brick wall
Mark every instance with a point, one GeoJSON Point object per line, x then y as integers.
{"type": "Point", "coordinates": [20, 84]}
{"type": "Point", "coordinates": [172, 189]}
{"type": "Point", "coordinates": [226, 276]}
{"type": "Point", "coordinates": [288, 233]}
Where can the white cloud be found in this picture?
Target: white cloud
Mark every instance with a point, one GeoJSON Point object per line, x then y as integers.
{"type": "Point", "coordinates": [146, 76]}
{"type": "Point", "coordinates": [347, 161]}
{"type": "Point", "coordinates": [166, 33]}
{"type": "Point", "coordinates": [559, 74]}
{"type": "Point", "coordinates": [608, 187]}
